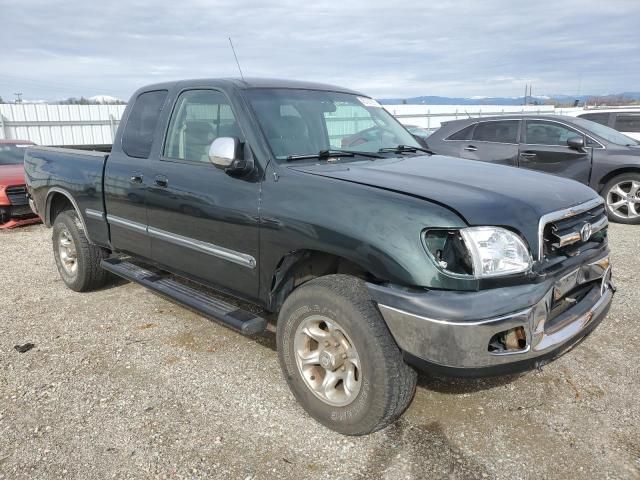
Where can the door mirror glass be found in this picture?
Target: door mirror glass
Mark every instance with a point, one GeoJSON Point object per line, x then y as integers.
{"type": "Point", "coordinates": [576, 143]}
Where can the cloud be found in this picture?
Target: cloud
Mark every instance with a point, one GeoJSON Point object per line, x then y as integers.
{"type": "Point", "coordinates": [387, 49]}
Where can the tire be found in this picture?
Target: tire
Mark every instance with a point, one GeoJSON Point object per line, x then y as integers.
{"type": "Point", "coordinates": [384, 383]}
{"type": "Point", "coordinates": [68, 237]}
{"type": "Point", "coordinates": [627, 184]}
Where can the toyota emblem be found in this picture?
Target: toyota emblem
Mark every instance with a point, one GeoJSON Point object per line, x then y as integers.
{"type": "Point", "coordinates": [585, 232]}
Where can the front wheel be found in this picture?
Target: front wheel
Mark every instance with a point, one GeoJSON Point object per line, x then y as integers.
{"type": "Point", "coordinates": [339, 357]}
{"type": "Point", "coordinates": [78, 261]}
{"type": "Point", "coordinates": [622, 198]}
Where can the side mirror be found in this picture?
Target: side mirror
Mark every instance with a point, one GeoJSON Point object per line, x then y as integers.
{"type": "Point", "coordinates": [226, 154]}
{"type": "Point", "coordinates": [577, 143]}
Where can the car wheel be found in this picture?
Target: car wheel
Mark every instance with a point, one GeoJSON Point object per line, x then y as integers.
{"type": "Point", "coordinates": [77, 260]}
{"type": "Point", "coordinates": [622, 198]}
{"type": "Point", "coordinates": [339, 357]}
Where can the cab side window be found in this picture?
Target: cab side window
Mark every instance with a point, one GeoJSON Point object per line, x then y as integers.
{"type": "Point", "coordinates": [199, 117]}
{"type": "Point", "coordinates": [548, 133]}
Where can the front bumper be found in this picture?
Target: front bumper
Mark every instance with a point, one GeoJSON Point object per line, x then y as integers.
{"type": "Point", "coordinates": [15, 216]}
{"type": "Point", "coordinates": [452, 331]}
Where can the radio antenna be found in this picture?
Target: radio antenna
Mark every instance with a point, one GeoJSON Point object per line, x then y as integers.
{"type": "Point", "coordinates": [236, 57]}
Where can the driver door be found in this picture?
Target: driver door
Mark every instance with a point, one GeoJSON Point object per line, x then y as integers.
{"type": "Point", "coordinates": [544, 148]}
{"type": "Point", "coordinates": [202, 221]}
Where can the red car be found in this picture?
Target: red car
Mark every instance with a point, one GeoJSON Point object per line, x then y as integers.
{"type": "Point", "coordinates": [14, 204]}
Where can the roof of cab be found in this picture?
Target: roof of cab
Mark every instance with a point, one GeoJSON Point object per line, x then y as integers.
{"type": "Point", "coordinates": [248, 83]}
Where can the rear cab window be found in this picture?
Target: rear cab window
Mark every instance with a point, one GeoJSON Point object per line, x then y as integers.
{"type": "Point", "coordinates": [138, 134]}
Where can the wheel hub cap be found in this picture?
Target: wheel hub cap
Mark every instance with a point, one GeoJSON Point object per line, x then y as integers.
{"type": "Point", "coordinates": [67, 252]}
{"type": "Point", "coordinates": [623, 199]}
{"type": "Point", "coordinates": [327, 360]}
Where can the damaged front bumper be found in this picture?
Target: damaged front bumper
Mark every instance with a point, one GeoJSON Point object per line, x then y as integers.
{"type": "Point", "coordinates": [499, 330]}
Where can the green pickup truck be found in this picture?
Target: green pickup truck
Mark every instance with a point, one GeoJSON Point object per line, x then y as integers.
{"type": "Point", "coordinates": [313, 202]}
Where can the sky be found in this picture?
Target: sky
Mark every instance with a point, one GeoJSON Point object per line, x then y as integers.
{"type": "Point", "coordinates": [387, 49]}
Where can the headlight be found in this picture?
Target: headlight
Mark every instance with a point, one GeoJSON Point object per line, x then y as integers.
{"type": "Point", "coordinates": [496, 251]}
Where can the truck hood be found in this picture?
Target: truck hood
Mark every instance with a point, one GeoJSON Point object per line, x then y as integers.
{"type": "Point", "coordinates": [11, 175]}
{"type": "Point", "coordinates": [481, 193]}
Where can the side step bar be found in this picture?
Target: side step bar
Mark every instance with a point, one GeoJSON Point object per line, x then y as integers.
{"type": "Point", "coordinates": [229, 315]}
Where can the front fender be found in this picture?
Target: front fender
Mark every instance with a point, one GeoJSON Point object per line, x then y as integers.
{"type": "Point", "coordinates": [378, 230]}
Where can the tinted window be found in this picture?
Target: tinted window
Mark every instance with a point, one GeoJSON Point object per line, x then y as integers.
{"type": "Point", "coordinates": [609, 134]}
{"type": "Point", "coordinates": [601, 118]}
{"type": "Point", "coordinates": [548, 133]}
{"type": "Point", "coordinates": [141, 125]}
{"type": "Point", "coordinates": [303, 122]}
{"type": "Point", "coordinates": [500, 132]}
{"type": "Point", "coordinates": [12, 154]}
{"type": "Point", "coordinates": [464, 134]}
{"type": "Point", "coordinates": [200, 116]}
{"type": "Point", "coordinates": [627, 122]}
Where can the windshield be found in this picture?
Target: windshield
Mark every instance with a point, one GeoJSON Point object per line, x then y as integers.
{"type": "Point", "coordinates": [306, 122]}
{"type": "Point", "coordinates": [609, 134]}
{"type": "Point", "coordinates": [11, 154]}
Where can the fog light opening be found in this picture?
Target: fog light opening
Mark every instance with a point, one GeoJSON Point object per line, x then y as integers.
{"type": "Point", "coordinates": [512, 340]}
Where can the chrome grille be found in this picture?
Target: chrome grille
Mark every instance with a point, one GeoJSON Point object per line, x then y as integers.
{"type": "Point", "coordinates": [574, 232]}
{"type": "Point", "coordinates": [17, 195]}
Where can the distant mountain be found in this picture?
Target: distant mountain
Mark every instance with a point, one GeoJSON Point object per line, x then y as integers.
{"type": "Point", "coordinates": [480, 100]}
{"type": "Point", "coordinates": [105, 99]}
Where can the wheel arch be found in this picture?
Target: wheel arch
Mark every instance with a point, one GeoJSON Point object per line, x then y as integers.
{"type": "Point", "coordinates": [614, 173]}
{"type": "Point", "coordinates": [58, 201]}
{"type": "Point", "coordinates": [300, 266]}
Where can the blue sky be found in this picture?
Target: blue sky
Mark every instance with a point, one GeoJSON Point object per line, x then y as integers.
{"type": "Point", "coordinates": [52, 50]}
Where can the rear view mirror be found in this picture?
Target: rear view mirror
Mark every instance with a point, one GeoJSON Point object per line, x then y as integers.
{"type": "Point", "coordinates": [577, 143]}
{"type": "Point", "coordinates": [226, 154]}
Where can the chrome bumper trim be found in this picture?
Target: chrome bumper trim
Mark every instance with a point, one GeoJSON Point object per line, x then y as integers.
{"type": "Point", "coordinates": [465, 344]}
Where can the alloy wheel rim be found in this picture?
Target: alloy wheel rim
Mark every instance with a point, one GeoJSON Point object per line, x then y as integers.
{"type": "Point", "coordinates": [327, 360]}
{"type": "Point", "coordinates": [67, 252]}
{"type": "Point", "coordinates": [623, 199]}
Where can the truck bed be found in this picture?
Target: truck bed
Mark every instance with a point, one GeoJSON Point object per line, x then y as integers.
{"type": "Point", "coordinates": [60, 174]}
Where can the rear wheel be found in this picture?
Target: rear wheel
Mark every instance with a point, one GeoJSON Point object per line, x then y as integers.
{"type": "Point", "coordinates": [339, 357]}
{"type": "Point", "coordinates": [622, 198]}
{"type": "Point", "coordinates": [78, 261]}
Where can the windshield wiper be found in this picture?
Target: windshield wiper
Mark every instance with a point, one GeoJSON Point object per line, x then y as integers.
{"type": "Point", "coordinates": [405, 148]}
{"type": "Point", "coordinates": [325, 154]}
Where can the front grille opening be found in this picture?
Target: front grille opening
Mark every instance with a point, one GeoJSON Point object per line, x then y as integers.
{"type": "Point", "coordinates": [512, 340]}
{"type": "Point", "coordinates": [17, 195]}
{"type": "Point", "coordinates": [562, 238]}
{"type": "Point", "coordinates": [570, 299]}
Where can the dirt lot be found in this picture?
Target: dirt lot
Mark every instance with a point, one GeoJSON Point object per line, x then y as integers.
{"type": "Point", "coordinates": [123, 384]}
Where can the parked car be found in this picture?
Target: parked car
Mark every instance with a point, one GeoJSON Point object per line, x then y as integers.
{"type": "Point", "coordinates": [14, 204]}
{"type": "Point", "coordinates": [378, 259]}
{"type": "Point", "coordinates": [420, 131]}
{"type": "Point", "coordinates": [580, 149]}
{"type": "Point", "coordinates": [625, 120]}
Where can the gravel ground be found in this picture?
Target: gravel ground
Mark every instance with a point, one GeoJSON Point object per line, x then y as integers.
{"type": "Point", "coordinates": [124, 384]}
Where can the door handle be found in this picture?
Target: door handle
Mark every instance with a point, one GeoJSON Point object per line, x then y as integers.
{"type": "Point", "coordinates": [136, 178]}
{"type": "Point", "coordinates": [470, 148]}
{"type": "Point", "coordinates": [528, 155]}
{"type": "Point", "coordinates": [162, 181]}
